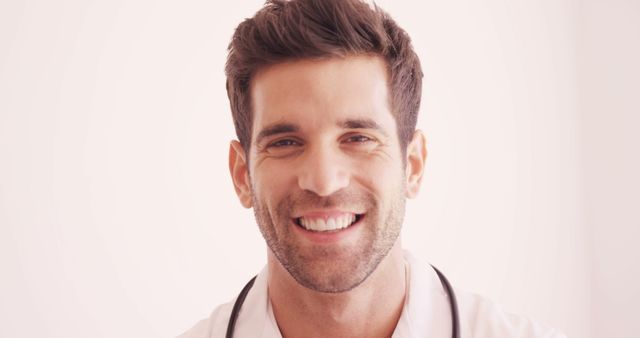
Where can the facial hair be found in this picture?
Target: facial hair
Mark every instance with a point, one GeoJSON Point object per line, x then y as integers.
{"type": "Point", "coordinates": [331, 268]}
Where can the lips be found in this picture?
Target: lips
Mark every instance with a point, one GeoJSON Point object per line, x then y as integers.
{"type": "Point", "coordinates": [327, 223]}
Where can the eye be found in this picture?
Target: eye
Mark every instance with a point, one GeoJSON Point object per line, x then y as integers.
{"type": "Point", "coordinates": [358, 139]}
{"type": "Point", "coordinates": [283, 143]}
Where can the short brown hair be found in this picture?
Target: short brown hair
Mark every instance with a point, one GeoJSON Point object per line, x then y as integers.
{"type": "Point", "coordinates": [297, 29]}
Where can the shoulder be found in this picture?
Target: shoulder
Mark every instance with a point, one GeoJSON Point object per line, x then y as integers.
{"type": "Point", "coordinates": [481, 318]}
{"type": "Point", "coordinates": [252, 319]}
{"type": "Point", "coordinates": [212, 327]}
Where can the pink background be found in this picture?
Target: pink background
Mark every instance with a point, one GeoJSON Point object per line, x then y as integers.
{"type": "Point", "coordinates": [118, 218]}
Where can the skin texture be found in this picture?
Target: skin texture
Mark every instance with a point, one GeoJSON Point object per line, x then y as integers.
{"type": "Point", "coordinates": [324, 145]}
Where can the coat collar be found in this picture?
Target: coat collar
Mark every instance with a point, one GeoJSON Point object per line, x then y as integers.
{"type": "Point", "coordinates": [425, 313]}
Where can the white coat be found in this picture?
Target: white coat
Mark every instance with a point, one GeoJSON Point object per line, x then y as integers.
{"type": "Point", "coordinates": [426, 313]}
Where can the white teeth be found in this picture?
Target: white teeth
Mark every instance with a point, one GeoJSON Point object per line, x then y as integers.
{"type": "Point", "coordinates": [331, 224]}
{"type": "Point", "coordinates": [320, 224]}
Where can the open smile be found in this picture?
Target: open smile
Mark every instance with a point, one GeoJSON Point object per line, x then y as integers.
{"type": "Point", "coordinates": [328, 224]}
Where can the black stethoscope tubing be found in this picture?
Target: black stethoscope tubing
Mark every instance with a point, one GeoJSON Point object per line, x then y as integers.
{"type": "Point", "coordinates": [453, 305]}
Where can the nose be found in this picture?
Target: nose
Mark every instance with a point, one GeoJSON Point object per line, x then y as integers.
{"type": "Point", "coordinates": [323, 172]}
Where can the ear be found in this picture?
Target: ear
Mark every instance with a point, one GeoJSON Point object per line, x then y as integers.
{"type": "Point", "coordinates": [416, 157]}
{"type": "Point", "coordinates": [240, 173]}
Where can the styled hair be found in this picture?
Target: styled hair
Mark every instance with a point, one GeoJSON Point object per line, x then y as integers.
{"type": "Point", "coordinates": [289, 30]}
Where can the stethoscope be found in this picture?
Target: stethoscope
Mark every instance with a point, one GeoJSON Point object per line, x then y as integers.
{"type": "Point", "coordinates": [453, 304]}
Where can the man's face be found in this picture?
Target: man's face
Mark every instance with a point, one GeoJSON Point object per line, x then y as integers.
{"type": "Point", "coordinates": [325, 171]}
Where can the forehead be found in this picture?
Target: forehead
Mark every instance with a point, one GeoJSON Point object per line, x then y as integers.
{"type": "Point", "coordinates": [314, 92]}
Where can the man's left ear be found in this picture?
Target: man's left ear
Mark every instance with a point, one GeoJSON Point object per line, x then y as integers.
{"type": "Point", "coordinates": [416, 156]}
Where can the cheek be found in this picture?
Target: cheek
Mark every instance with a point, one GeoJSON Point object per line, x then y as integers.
{"type": "Point", "coordinates": [270, 183]}
{"type": "Point", "coordinates": [382, 177]}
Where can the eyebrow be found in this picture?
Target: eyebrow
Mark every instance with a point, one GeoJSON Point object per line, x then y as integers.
{"type": "Point", "coordinates": [283, 128]}
{"type": "Point", "coordinates": [275, 129]}
{"type": "Point", "coordinates": [361, 123]}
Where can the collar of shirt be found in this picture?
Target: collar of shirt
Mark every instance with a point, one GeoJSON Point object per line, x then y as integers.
{"type": "Point", "coordinates": [426, 311]}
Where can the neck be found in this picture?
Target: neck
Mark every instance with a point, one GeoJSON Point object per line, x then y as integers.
{"type": "Point", "coordinates": [372, 309]}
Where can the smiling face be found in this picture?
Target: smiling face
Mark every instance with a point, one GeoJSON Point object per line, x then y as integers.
{"type": "Point", "coordinates": [325, 173]}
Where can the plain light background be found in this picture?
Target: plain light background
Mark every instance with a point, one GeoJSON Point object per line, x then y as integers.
{"type": "Point", "coordinates": [118, 217]}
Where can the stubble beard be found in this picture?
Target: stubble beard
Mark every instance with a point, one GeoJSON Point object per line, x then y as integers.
{"type": "Point", "coordinates": [331, 269]}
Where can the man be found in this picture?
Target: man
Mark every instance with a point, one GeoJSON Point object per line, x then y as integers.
{"type": "Point", "coordinates": [325, 96]}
